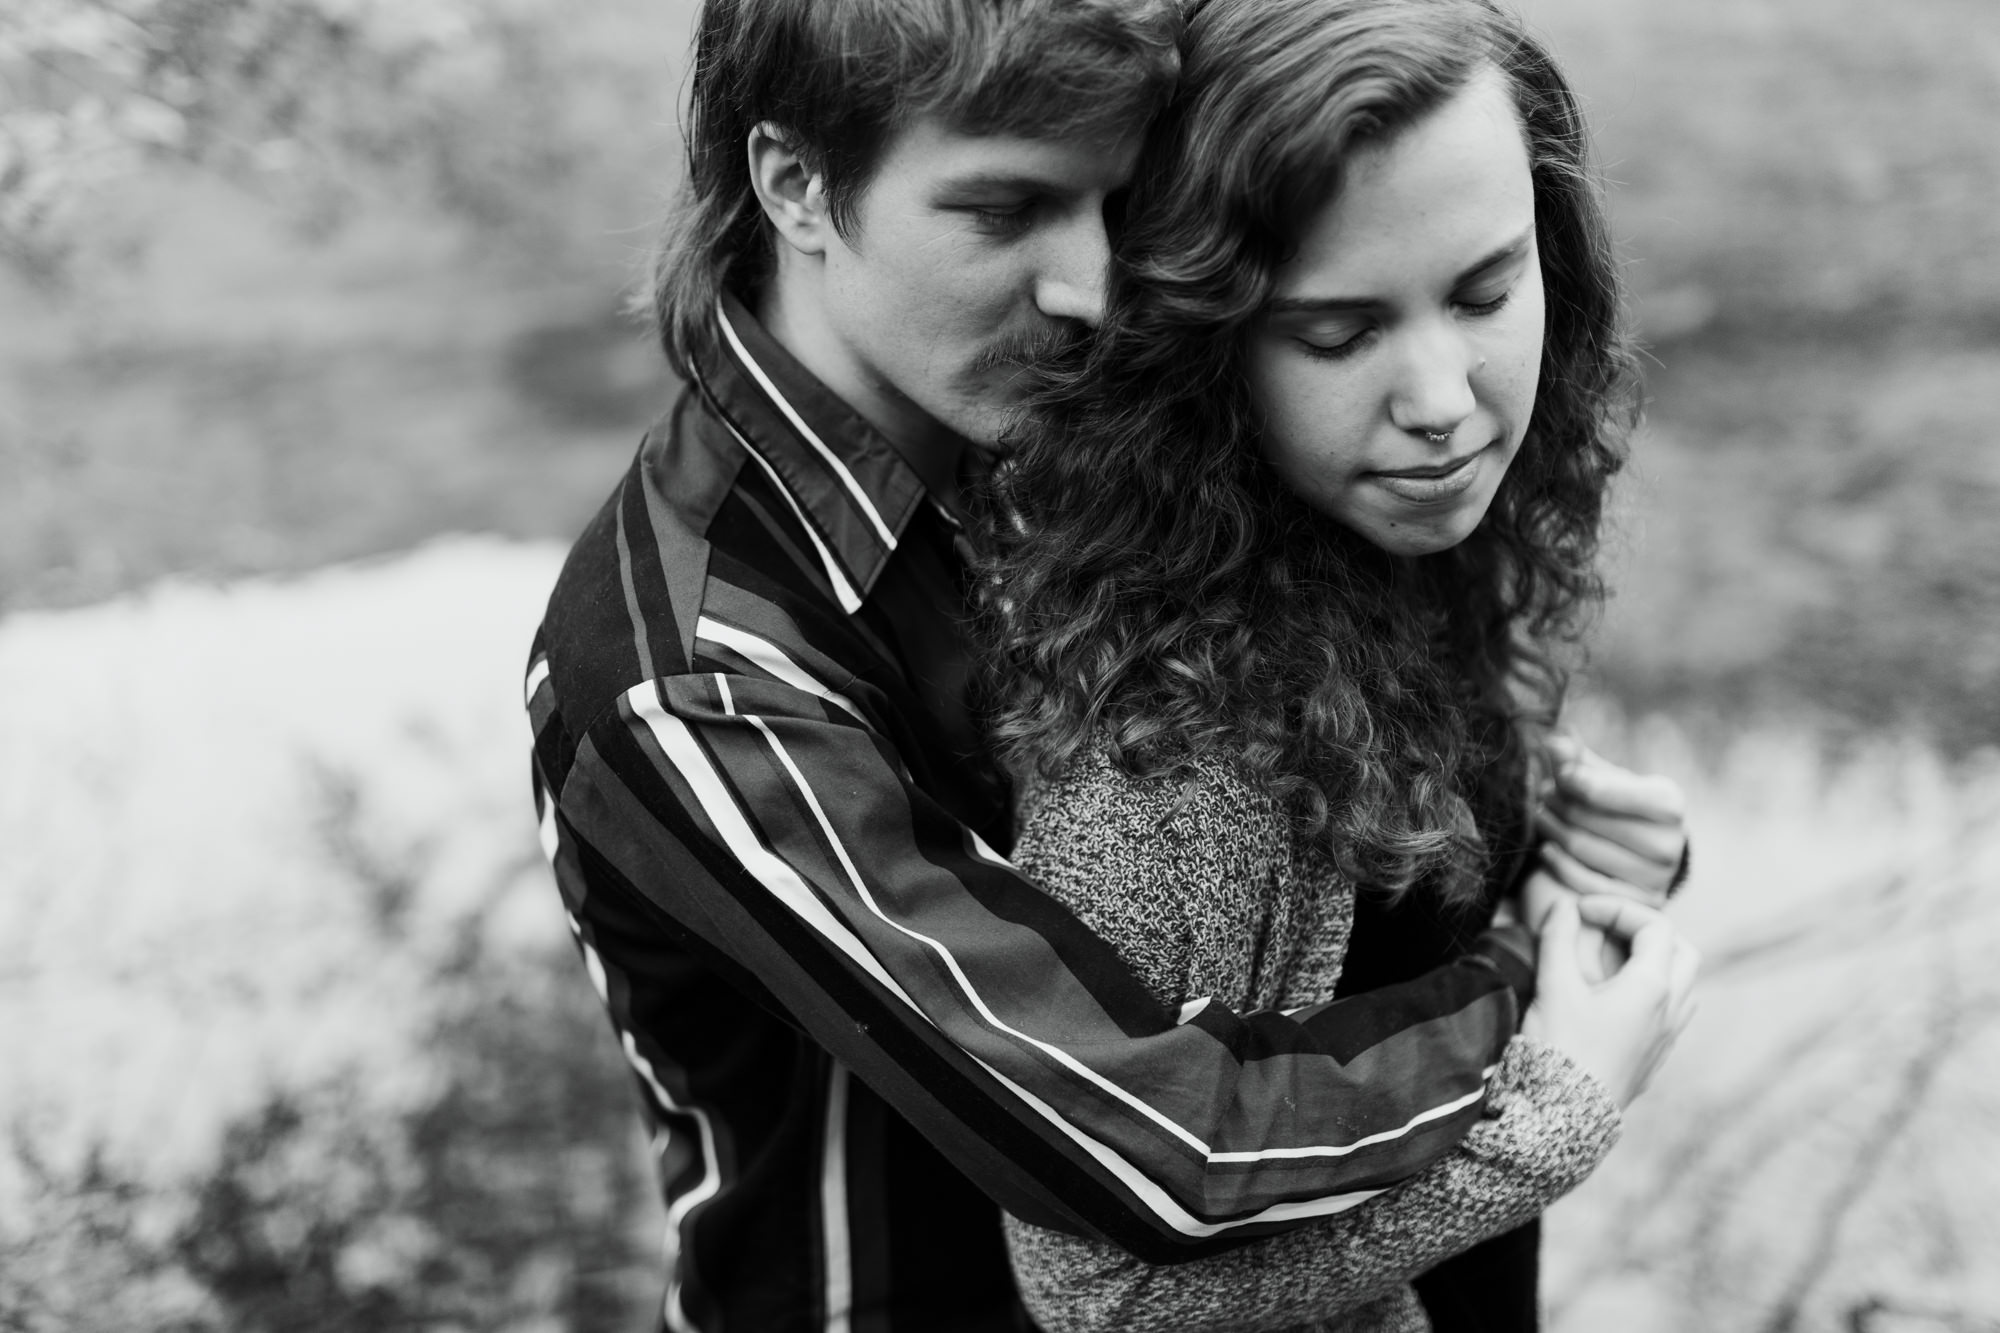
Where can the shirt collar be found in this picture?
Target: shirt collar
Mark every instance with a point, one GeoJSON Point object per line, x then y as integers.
{"type": "Point", "coordinates": [847, 483]}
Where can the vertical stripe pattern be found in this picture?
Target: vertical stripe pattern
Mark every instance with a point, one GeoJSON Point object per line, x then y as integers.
{"type": "Point", "coordinates": [836, 1242]}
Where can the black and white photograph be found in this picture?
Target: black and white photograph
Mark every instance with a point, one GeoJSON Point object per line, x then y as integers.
{"type": "Point", "coordinates": [999, 666]}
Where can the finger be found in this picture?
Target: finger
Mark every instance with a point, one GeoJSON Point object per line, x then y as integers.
{"type": "Point", "coordinates": [1599, 853]}
{"type": "Point", "coordinates": [1538, 892]}
{"type": "Point", "coordinates": [1656, 840]}
{"type": "Point", "coordinates": [1555, 963]}
{"type": "Point", "coordinates": [1561, 748]}
{"type": "Point", "coordinates": [1651, 950]}
{"type": "Point", "coordinates": [1601, 783]}
{"type": "Point", "coordinates": [1611, 955]}
{"type": "Point", "coordinates": [1617, 915]}
{"type": "Point", "coordinates": [1579, 878]}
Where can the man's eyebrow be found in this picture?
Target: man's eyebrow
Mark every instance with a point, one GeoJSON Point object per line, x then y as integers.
{"type": "Point", "coordinates": [1333, 305]}
{"type": "Point", "coordinates": [998, 182]}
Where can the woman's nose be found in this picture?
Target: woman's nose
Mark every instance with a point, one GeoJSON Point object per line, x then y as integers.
{"type": "Point", "coordinates": [1433, 393]}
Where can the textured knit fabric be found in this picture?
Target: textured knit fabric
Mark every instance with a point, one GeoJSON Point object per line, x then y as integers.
{"type": "Point", "coordinates": [1203, 887]}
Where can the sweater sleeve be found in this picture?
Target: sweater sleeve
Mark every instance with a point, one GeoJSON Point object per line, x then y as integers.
{"type": "Point", "coordinates": [1547, 1127]}
{"type": "Point", "coordinates": [1102, 843]}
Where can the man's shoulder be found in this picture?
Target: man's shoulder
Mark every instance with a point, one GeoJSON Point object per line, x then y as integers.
{"type": "Point", "coordinates": [623, 607]}
{"type": "Point", "coordinates": [687, 540]}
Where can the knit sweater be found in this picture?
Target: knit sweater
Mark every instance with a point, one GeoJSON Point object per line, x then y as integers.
{"type": "Point", "coordinates": [1205, 890]}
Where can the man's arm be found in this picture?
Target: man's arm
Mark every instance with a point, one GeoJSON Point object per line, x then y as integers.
{"type": "Point", "coordinates": [766, 828]}
{"type": "Point", "coordinates": [1548, 1125]}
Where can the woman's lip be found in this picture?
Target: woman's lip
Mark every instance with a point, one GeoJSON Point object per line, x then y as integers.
{"type": "Point", "coordinates": [1429, 485]}
{"type": "Point", "coordinates": [1429, 473]}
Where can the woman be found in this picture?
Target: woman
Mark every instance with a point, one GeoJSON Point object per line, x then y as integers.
{"type": "Point", "coordinates": [1306, 536]}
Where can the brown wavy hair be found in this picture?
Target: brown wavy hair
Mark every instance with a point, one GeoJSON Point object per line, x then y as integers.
{"type": "Point", "coordinates": [1153, 584]}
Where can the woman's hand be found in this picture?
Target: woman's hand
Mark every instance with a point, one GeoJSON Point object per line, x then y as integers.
{"type": "Point", "coordinates": [1606, 829]}
{"type": "Point", "coordinates": [1598, 953]}
{"type": "Point", "coordinates": [1619, 1030]}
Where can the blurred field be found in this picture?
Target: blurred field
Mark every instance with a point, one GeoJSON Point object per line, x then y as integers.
{"type": "Point", "coordinates": [306, 1043]}
{"type": "Point", "coordinates": [1810, 200]}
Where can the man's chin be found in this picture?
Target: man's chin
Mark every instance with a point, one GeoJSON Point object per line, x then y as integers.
{"type": "Point", "coordinates": [992, 422]}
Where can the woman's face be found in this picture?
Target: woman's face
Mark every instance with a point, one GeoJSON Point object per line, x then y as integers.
{"type": "Point", "coordinates": [1395, 367]}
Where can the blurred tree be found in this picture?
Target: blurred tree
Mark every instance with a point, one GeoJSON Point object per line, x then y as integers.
{"type": "Point", "coordinates": [312, 103]}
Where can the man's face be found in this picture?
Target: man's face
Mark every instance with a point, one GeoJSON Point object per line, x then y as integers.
{"type": "Point", "coordinates": [968, 255]}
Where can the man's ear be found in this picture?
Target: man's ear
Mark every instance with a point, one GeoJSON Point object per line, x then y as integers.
{"type": "Point", "coordinates": [791, 193]}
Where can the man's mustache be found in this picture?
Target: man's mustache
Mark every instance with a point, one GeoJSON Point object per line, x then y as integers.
{"type": "Point", "coordinates": [1040, 349]}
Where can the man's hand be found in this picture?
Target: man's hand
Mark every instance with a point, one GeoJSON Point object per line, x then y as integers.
{"type": "Point", "coordinates": [1606, 829]}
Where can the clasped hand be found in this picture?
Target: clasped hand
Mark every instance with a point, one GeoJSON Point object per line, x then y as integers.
{"type": "Point", "coordinates": [1616, 979]}
{"type": "Point", "coordinates": [1607, 829]}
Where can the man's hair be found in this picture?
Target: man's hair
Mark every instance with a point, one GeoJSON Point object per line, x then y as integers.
{"type": "Point", "coordinates": [840, 77]}
{"type": "Point", "coordinates": [1158, 588]}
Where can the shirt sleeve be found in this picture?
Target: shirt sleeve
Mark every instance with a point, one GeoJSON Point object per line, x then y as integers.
{"type": "Point", "coordinates": [1547, 1125]}
{"type": "Point", "coordinates": [769, 830]}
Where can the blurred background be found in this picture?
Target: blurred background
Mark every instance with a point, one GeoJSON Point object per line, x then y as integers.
{"type": "Point", "coordinates": [312, 357]}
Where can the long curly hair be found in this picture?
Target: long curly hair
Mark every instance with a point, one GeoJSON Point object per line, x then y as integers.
{"type": "Point", "coordinates": [1151, 583]}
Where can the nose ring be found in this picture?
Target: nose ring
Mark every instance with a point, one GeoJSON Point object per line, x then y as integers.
{"type": "Point", "coordinates": [1438, 438]}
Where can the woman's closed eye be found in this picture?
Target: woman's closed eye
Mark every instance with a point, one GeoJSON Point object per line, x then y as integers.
{"type": "Point", "coordinates": [1335, 342]}
{"type": "Point", "coordinates": [1480, 304]}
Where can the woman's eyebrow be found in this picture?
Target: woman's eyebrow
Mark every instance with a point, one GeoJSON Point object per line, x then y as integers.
{"type": "Point", "coordinates": [1499, 255]}
{"type": "Point", "coordinates": [1328, 305]}
{"type": "Point", "coordinates": [1318, 305]}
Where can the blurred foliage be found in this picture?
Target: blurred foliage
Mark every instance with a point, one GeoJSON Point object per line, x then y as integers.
{"type": "Point", "coordinates": [1810, 200]}
{"type": "Point", "coordinates": [295, 281]}
{"type": "Point", "coordinates": [311, 103]}
{"type": "Point", "coordinates": [513, 1199]}
{"type": "Point", "coordinates": [474, 1161]}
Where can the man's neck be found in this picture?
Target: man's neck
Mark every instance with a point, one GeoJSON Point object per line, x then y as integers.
{"type": "Point", "coordinates": [790, 311]}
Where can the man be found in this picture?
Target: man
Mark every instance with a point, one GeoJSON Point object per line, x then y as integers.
{"type": "Point", "coordinates": [772, 820]}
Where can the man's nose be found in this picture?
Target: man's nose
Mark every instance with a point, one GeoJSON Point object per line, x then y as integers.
{"type": "Point", "coordinates": [1433, 393]}
{"type": "Point", "coordinates": [1074, 265]}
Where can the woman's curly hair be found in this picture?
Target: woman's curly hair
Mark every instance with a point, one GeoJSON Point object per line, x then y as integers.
{"type": "Point", "coordinates": [1151, 583]}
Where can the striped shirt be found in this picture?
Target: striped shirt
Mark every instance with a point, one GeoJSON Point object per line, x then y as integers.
{"type": "Point", "coordinates": [782, 850]}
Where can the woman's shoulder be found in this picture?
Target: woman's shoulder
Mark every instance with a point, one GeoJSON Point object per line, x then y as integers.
{"type": "Point", "coordinates": [1206, 796]}
{"type": "Point", "coordinates": [1192, 838]}
{"type": "Point", "coordinates": [1175, 871]}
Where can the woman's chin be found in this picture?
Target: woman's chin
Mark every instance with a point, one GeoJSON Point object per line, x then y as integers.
{"type": "Point", "coordinates": [1400, 524]}
{"type": "Point", "coordinates": [1406, 536]}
